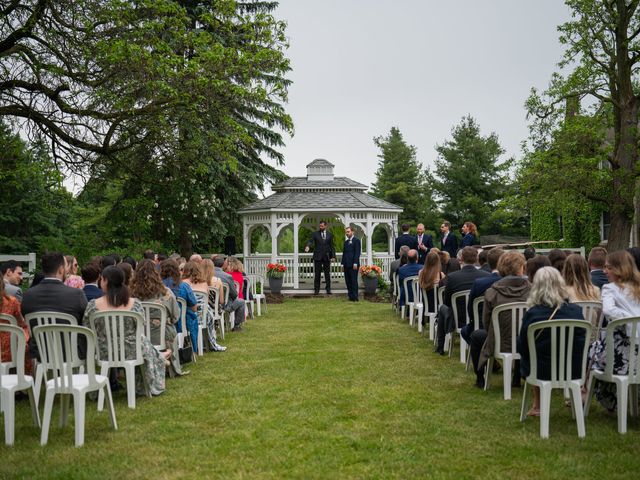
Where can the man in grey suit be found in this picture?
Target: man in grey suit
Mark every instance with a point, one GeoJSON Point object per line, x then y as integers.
{"type": "Point", "coordinates": [234, 304]}
{"type": "Point", "coordinates": [12, 276]}
{"type": "Point", "coordinates": [51, 295]}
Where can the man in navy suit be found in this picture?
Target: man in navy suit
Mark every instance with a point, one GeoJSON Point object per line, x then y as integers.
{"type": "Point", "coordinates": [323, 253]}
{"type": "Point", "coordinates": [597, 259]}
{"type": "Point", "coordinates": [411, 269]}
{"type": "Point", "coordinates": [351, 263]}
{"type": "Point", "coordinates": [91, 276]}
{"type": "Point", "coordinates": [449, 242]}
{"type": "Point", "coordinates": [406, 239]}
{"type": "Point", "coordinates": [425, 243]}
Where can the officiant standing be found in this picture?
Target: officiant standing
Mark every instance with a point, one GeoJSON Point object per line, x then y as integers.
{"type": "Point", "coordinates": [323, 253]}
{"type": "Point", "coordinates": [351, 263]}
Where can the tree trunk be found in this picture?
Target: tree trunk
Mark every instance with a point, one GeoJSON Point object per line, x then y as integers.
{"type": "Point", "coordinates": [186, 247]}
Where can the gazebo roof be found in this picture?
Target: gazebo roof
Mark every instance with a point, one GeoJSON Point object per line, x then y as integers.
{"type": "Point", "coordinates": [338, 183]}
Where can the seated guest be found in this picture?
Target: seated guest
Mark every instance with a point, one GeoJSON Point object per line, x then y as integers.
{"type": "Point", "coordinates": [457, 282]}
{"type": "Point", "coordinates": [412, 268]}
{"type": "Point", "coordinates": [128, 273]}
{"type": "Point", "coordinates": [150, 255]}
{"type": "Point", "coordinates": [161, 257]}
{"type": "Point", "coordinates": [479, 287]}
{"type": "Point", "coordinates": [90, 276]}
{"type": "Point", "coordinates": [620, 299]}
{"type": "Point", "coordinates": [172, 279]}
{"type": "Point", "coordinates": [235, 270]}
{"type": "Point", "coordinates": [108, 261]}
{"type": "Point", "coordinates": [430, 276]}
{"type": "Point", "coordinates": [395, 265]}
{"type": "Point", "coordinates": [547, 301]}
{"type": "Point", "coordinates": [234, 304]}
{"type": "Point", "coordinates": [209, 272]}
{"type": "Point", "coordinates": [117, 297]}
{"type": "Point", "coordinates": [194, 275]}
{"type": "Point", "coordinates": [512, 287]}
{"type": "Point", "coordinates": [195, 258]}
{"type": "Point", "coordinates": [147, 286]}
{"type": "Point", "coordinates": [529, 253]}
{"type": "Point", "coordinates": [72, 279]}
{"type": "Point", "coordinates": [11, 306]}
{"type": "Point", "coordinates": [596, 261]}
{"type": "Point", "coordinates": [131, 261]}
{"type": "Point", "coordinates": [12, 276]}
{"type": "Point", "coordinates": [482, 260]}
{"type": "Point", "coordinates": [578, 281]}
{"type": "Point", "coordinates": [51, 295]}
{"type": "Point", "coordinates": [557, 258]}
{"type": "Point", "coordinates": [536, 263]}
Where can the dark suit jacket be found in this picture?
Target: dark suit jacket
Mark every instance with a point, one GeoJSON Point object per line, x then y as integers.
{"type": "Point", "coordinates": [405, 239]}
{"type": "Point", "coordinates": [469, 240]}
{"type": "Point", "coordinates": [427, 241]}
{"type": "Point", "coordinates": [480, 285]}
{"type": "Point", "coordinates": [459, 281]}
{"type": "Point", "coordinates": [599, 278]}
{"type": "Point", "coordinates": [451, 246]}
{"type": "Point", "coordinates": [351, 252]}
{"type": "Point", "coordinates": [54, 296]}
{"type": "Point", "coordinates": [92, 292]}
{"type": "Point", "coordinates": [322, 249]}
{"type": "Point", "coordinates": [408, 270]}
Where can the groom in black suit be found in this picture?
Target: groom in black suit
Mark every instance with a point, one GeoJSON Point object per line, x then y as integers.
{"type": "Point", "coordinates": [351, 263]}
{"type": "Point", "coordinates": [323, 253]}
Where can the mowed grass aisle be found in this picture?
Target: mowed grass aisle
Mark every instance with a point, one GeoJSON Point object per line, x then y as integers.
{"type": "Point", "coordinates": [323, 388]}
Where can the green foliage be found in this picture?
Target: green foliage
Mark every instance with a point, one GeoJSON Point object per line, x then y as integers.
{"type": "Point", "coordinates": [400, 179]}
{"type": "Point", "coordinates": [469, 177]}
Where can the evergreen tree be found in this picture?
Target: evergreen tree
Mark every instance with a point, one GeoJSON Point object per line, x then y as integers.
{"type": "Point", "coordinates": [470, 179]}
{"type": "Point", "coordinates": [400, 179]}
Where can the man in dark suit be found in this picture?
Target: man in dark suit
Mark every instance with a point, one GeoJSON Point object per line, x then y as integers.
{"type": "Point", "coordinates": [406, 239]}
{"type": "Point", "coordinates": [351, 263]}
{"type": "Point", "coordinates": [323, 253]}
{"type": "Point", "coordinates": [597, 259]}
{"type": "Point", "coordinates": [448, 242]}
{"type": "Point", "coordinates": [91, 276]}
{"type": "Point", "coordinates": [411, 269]}
{"type": "Point", "coordinates": [51, 295]}
{"type": "Point", "coordinates": [425, 243]}
{"type": "Point", "coordinates": [457, 282]}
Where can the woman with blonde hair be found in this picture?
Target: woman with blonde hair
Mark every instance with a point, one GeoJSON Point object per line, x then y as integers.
{"type": "Point", "coordinates": [620, 299]}
{"type": "Point", "coordinates": [578, 280]}
{"type": "Point", "coordinates": [547, 301]}
{"type": "Point", "coordinates": [72, 279]}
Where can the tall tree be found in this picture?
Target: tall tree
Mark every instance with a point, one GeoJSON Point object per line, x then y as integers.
{"type": "Point", "coordinates": [470, 179]}
{"type": "Point", "coordinates": [401, 179]}
{"type": "Point", "coordinates": [602, 55]}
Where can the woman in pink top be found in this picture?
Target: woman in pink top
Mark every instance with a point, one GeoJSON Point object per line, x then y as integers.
{"type": "Point", "coordinates": [235, 269]}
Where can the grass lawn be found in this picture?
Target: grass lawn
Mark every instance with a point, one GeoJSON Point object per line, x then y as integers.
{"type": "Point", "coordinates": [323, 388]}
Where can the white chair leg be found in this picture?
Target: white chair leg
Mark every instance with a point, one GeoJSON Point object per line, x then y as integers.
{"type": "Point", "coordinates": [487, 373]}
{"type": "Point", "coordinates": [576, 398]}
{"type": "Point", "coordinates": [545, 407]}
{"type": "Point", "coordinates": [9, 407]}
{"type": "Point", "coordinates": [34, 408]}
{"type": "Point", "coordinates": [468, 363]}
{"type": "Point", "coordinates": [587, 404]}
{"type": "Point", "coordinates": [64, 409]}
{"type": "Point", "coordinates": [431, 327]}
{"type": "Point", "coordinates": [110, 407]}
{"type": "Point", "coordinates": [506, 381]}
{"type": "Point", "coordinates": [526, 394]}
{"type": "Point", "coordinates": [78, 410]}
{"type": "Point", "coordinates": [622, 390]}
{"type": "Point", "coordinates": [130, 375]}
{"type": "Point", "coordinates": [411, 315]}
{"type": "Point", "coordinates": [200, 341]}
{"type": "Point", "coordinates": [46, 421]}
{"type": "Point", "coordinates": [420, 317]}
{"type": "Point", "coordinates": [104, 371]}
{"type": "Point", "coordinates": [37, 381]}
{"type": "Point", "coordinates": [463, 350]}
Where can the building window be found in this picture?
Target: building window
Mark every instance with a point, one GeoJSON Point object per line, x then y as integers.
{"type": "Point", "coordinates": [605, 225]}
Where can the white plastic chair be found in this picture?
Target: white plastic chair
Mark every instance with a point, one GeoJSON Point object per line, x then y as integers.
{"type": "Point", "coordinates": [55, 344]}
{"type": "Point", "coordinates": [258, 283]}
{"type": "Point", "coordinates": [395, 299]}
{"type": "Point", "coordinates": [155, 333]}
{"type": "Point", "coordinates": [38, 319]}
{"type": "Point", "coordinates": [592, 312]}
{"type": "Point", "coordinates": [406, 285]}
{"type": "Point", "coordinates": [7, 319]}
{"type": "Point", "coordinates": [478, 303]}
{"type": "Point", "coordinates": [230, 316]}
{"type": "Point", "coordinates": [182, 304]}
{"type": "Point", "coordinates": [517, 311]}
{"type": "Point", "coordinates": [623, 382]}
{"type": "Point", "coordinates": [248, 296]}
{"type": "Point", "coordinates": [430, 314]}
{"type": "Point", "coordinates": [214, 305]}
{"type": "Point", "coordinates": [562, 333]}
{"type": "Point", "coordinates": [440, 296]}
{"type": "Point", "coordinates": [417, 306]}
{"type": "Point", "coordinates": [111, 325]}
{"type": "Point", "coordinates": [454, 306]}
{"type": "Point", "coordinates": [17, 382]}
{"type": "Point", "coordinates": [202, 311]}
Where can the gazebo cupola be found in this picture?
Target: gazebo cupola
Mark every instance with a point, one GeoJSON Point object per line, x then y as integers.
{"type": "Point", "coordinates": [320, 170]}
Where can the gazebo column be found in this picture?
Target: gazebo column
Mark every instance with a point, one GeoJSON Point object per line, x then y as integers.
{"type": "Point", "coordinates": [296, 257]}
{"type": "Point", "coordinates": [390, 239]}
{"type": "Point", "coordinates": [274, 238]}
{"type": "Point", "coordinates": [369, 239]}
{"type": "Point", "coordinates": [245, 240]}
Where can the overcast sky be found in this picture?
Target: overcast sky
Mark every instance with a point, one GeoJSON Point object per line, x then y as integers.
{"type": "Point", "coordinates": [363, 66]}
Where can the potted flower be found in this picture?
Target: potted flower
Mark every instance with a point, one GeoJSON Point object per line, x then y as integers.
{"type": "Point", "coordinates": [370, 275]}
{"type": "Point", "coordinates": [275, 274]}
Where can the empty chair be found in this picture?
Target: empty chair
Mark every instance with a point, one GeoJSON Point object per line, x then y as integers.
{"type": "Point", "coordinates": [564, 342]}
{"type": "Point", "coordinates": [516, 312]}
{"type": "Point", "coordinates": [119, 345]}
{"type": "Point", "coordinates": [258, 293]}
{"type": "Point", "coordinates": [456, 312]}
{"type": "Point", "coordinates": [624, 382]}
{"type": "Point", "coordinates": [17, 382]}
{"type": "Point", "coordinates": [56, 344]}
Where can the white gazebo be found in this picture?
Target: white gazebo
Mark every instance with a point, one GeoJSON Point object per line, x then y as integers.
{"type": "Point", "coordinates": [304, 202]}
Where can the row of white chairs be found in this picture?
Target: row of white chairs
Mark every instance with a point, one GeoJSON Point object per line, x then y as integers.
{"type": "Point", "coordinates": [563, 330]}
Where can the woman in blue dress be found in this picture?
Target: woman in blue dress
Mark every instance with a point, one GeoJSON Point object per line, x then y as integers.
{"type": "Point", "coordinates": [170, 273]}
{"type": "Point", "coordinates": [469, 235]}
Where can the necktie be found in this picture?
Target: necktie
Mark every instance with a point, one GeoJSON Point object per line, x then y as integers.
{"type": "Point", "coordinates": [323, 237]}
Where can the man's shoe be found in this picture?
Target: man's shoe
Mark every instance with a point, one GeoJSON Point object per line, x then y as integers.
{"type": "Point", "coordinates": [316, 292]}
{"type": "Point", "coordinates": [329, 292]}
{"type": "Point", "coordinates": [237, 328]}
{"type": "Point", "coordinates": [480, 383]}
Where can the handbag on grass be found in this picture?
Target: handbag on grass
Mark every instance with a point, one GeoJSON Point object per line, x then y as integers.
{"type": "Point", "coordinates": [185, 354]}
